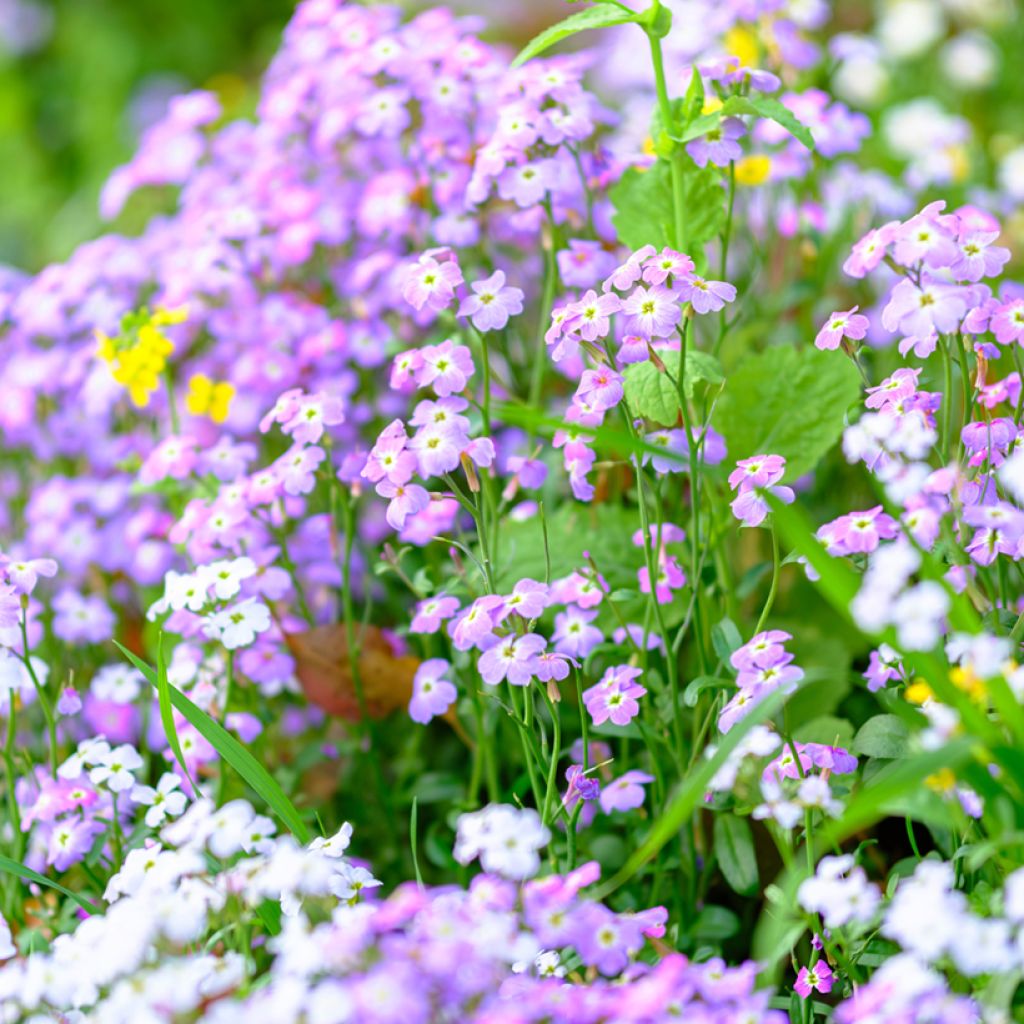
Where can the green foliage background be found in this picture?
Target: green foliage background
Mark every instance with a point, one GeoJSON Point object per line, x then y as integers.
{"type": "Point", "coordinates": [64, 107]}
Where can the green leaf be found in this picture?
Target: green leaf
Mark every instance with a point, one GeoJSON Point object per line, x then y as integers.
{"type": "Point", "coordinates": [654, 395]}
{"type": "Point", "coordinates": [771, 109]}
{"type": "Point", "coordinates": [163, 690]}
{"type": "Point", "coordinates": [882, 736]}
{"type": "Point", "coordinates": [734, 848]}
{"type": "Point", "coordinates": [827, 729]}
{"type": "Point", "coordinates": [697, 686]}
{"type": "Point", "coordinates": [232, 752]}
{"type": "Point", "coordinates": [649, 393]}
{"type": "Point", "coordinates": [13, 867]}
{"type": "Point", "coordinates": [701, 368]}
{"type": "Point", "coordinates": [642, 198]}
{"type": "Point", "coordinates": [787, 401]}
{"type": "Point", "coordinates": [716, 924]}
{"type": "Point", "coordinates": [704, 210]}
{"type": "Point", "coordinates": [725, 638]}
{"type": "Point", "coordinates": [603, 16]}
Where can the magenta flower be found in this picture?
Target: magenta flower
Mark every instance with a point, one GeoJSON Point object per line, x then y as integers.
{"type": "Point", "coordinates": [848, 324]}
{"type": "Point", "coordinates": [707, 296]}
{"type": "Point", "coordinates": [432, 694]}
{"type": "Point", "coordinates": [652, 312]}
{"type": "Point", "coordinates": [894, 389]}
{"type": "Point", "coordinates": [492, 303]}
{"type": "Point", "coordinates": [816, 978]}
{"type": "Point", "coordinates": [583, 263]}
{"type": "Point", "coordinates": [626, 793]}
{"type": "Point", "coordinates": [614, 697]}
{"type": "Point", "coordinates": [513, 658]}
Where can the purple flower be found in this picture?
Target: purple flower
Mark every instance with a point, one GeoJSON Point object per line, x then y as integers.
{"type": "Point", "coordinates": [718, 146]}
{"type": "Point", "coordinates": [447, 367]}
{"type": "Point", "coordinates": [977, 257]}
{"type": "Point", "coordinates": [432, 612]}
{"type": "Point", "coordinates": [492, 303]}
{"type": "Point", "coordinates": [615, 696]}
{"type": "Point", "coordinates": [707, 296]}
{"type": "Point", "coordinates": [652, 312]}
{"type": "Point", "coordinates": [590, 317]}
{"type": "Point", "coordinates": [574, 635]}
{"type": "Point", "coordinates": [296, 469]}
{"type": "Point", "coordinates": [626, 793]}
{"type": "Point", "coordinates": [583, 263]}
{"type": "Point", "coordinates": [70, 840]}
{"type": "Point", "coordinates": [600, 389]}
{"type": "Point", "coordinates": [581, 786]}
{"type": "Point", "coordinates": [431, 283]}
{"type": "Point", "coordinates": [528, 599]}
{"type": "Point", "coordinates": [513, 658]}
{"type": "Point", "coordinates": [432, 694]}
{"type": "Point", "coordinates": [406, 500]}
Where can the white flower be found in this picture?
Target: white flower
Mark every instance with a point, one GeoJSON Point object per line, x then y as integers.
{"type": "Point", "coordinates": [166, 801]}
{"type": "Point", "coordinates": [7, 947]}
{"type": "Point", "coordinates": [114, 769]}
{"type": "Point", "coordinates": [238, 625]}
{"type": "Point", "coordinates": [181, 591]}
{"type": "Point", "coordinates": [918, 614]}
{"type": "Point", "coordinates": [336, 845]}
{"type": "Point", "coordinates": [117, 683]}
{"type": "Point", "coordinates": [225, 576]}
{"type": "Point", "coordinates": [505, 839]}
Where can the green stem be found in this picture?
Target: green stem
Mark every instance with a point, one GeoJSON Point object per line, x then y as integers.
{"type": "Point", "coordinates": [44, 700]}
{"type": "Point", "coordinates": [678, 154]}
{"type": "Point", "coordinates": [540, 355]}
{"type": "Point", "coordinates": [774, 588]}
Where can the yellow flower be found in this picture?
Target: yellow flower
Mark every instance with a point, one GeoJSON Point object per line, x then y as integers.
{"type": "Point", "coordinates": [943, 781]}
{"type": "Point", "coordinates": [741, 43]}
{"type": "Point", "coordinates": [753, 170]}
{"type": "Point", "coordinates": [711, 104]}
{"type": "Point", "coordinates": [206, 398]}
{"type": "Point", "coordinates": [138, 355]}
{"type": "Point", "coordinates": [966, 680]}
{"type": "Point", "coordinates": [918, 692]}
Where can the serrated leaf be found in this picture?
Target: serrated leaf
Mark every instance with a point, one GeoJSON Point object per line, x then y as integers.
{"type": "Point", "coordinates": [602, 16]}
{"type": "Point", "coordinates": [653, 394]}
{"type": "Point", "coordinates": [650, 393]}
{"type": "Point", "coordinates": [787, 401]}
{"type": "Point", "coordinates": [734, 848]}
{"type": "Point", "coordinates": [882, 736]}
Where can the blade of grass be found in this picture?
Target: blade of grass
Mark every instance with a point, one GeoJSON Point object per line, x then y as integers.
{"type": "Point", "coordinates": [163, 690]}
{"type": "Point", "coordinates": [689, 794]}
{"type": "Point", "coordinates": [19, 870]}
{"type": "Point", "coordinates": [232, 752]}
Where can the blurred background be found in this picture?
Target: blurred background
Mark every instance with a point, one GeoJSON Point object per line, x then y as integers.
{"type": "Point", "coordinates": [80, 80]}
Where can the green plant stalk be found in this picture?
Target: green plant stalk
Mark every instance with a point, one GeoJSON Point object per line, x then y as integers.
{"type": "Point", "coordinates": [229, 686]}
{"type": "Point", "coordinates": [44, 700]}
{"type": "Point", "coordinates": [675, 161]}
{"type": "Point", "coordinates": [540, 355]}
{"type": "Point", "coordinates": [556, 749]}
{"type": "Point", "coordinates": [774, 587]}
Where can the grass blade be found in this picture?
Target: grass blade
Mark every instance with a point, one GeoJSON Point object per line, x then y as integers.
{"type": "Point", "coordinates": [232, 752]}
{"type": "Point", "coordinates": [163, 689]}
{"type": "Point", "coordinates": [13, 867]}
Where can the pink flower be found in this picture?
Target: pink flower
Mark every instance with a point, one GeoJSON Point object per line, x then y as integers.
{"type": "Point", "coordinates": [513, 658]}
{"type": "Point", "coordinates": [432, 612]}
{"type": "Point", "coordinates": [446, 366]}
{"type": "Point", "coordinates": [492, 303]}
{"type": "Point", "coordinates": [600, 389]}
{"type": "Point", "coordinates": [652, 312]}
{"type": "Point", "coordinates": [816, 978]}
{"type": "Point", "coordinates": [406, 500]}
{"type": "Point", "coordinates": [871, 250]}
{"type": "Point", "coordinates": [432, 694]}
{"type": "Point", "coordinates": [312, 413]}
{"type": "Point", "coordinates": [751, 508]}
{"type": "Point", "coordinates": [590, 317]}
{"type": "Point", "coordinates": [848, 324]}
{"type": "Point", "coordinates": [626, 793]}
{"type": "Point", "coordinates": [627, 275]}
{"type": "Point", "coordinates": [922, 311]}
{"type": "Point", "coordinates": [296, 469]}
{"type": "Point", "coordinates": [668, 263]}
{"type": "Point", "coordinates": [757, 471]}
{"type": "Point", "coordinates": [977, 257]}
{"type": "Point", "coordinates": [432, 284]}
{"type": "Point", "coordinates": [1008, 322]}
